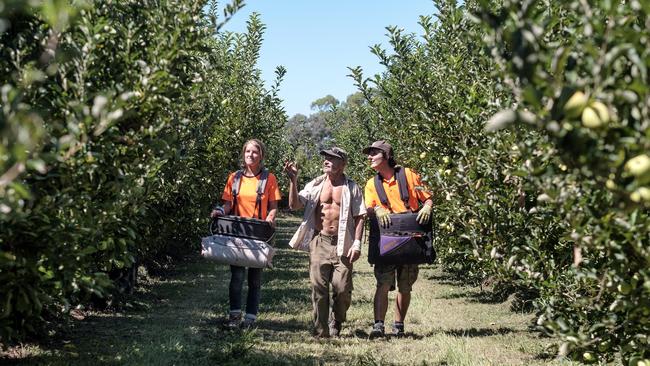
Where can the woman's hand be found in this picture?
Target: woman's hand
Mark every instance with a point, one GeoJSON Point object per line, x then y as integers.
{"type": "Point", "coordinates": [273, 210]}
{"type": "Point", "coordinates": [217, 211]}
{"type": "Point", "coordinates": [271, 220]}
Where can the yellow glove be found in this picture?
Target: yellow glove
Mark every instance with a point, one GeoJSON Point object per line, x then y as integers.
{"type": "Point", "coordinates": [424, 215]}
{"type": "Point", "coordinates": [382, 216]}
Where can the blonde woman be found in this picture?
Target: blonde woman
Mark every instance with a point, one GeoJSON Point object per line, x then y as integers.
{"type": "Point", "coordinates": [244, 201]}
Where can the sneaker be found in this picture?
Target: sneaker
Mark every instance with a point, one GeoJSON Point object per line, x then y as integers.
{"type": "Point", "coordinates": [247, 324]}
{"type": "Point", "coordinates": [234, 320]}
{"type": "Point", "coordinates": [377, 330]}
{"type": "Point", "coordinates": [335, 328]}
{"type": "Point", "coordinates": [398, 329]}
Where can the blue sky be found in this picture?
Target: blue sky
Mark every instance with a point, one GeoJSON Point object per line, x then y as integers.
{"type": "Point", "coordinates": [317, 40]}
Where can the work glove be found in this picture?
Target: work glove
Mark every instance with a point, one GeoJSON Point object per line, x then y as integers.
{"type": "Point", "coordinates": [383, 216]}
{"type": "Point", "coordinates": [424, 215]}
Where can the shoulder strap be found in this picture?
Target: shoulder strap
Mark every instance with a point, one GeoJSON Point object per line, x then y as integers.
{"type": "Point", "coordinates": [402, 184]}
{"type": "Point", "coordinates": [381, 193]}
{"type": "Point", "coordinates": [261, 185]}
{"type": "Point", "coordinates": [235, 190]}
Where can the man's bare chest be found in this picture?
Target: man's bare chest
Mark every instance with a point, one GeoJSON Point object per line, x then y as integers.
{"type": "Point", "coordinates": [331, 194]}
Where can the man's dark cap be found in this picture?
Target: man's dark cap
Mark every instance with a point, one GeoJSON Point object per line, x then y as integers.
{"type": "Point", "coordinates": [335, 152]}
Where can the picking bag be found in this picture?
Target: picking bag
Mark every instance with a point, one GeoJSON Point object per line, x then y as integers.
{"type": "Point", "coordinates": [405, 241]}
{"type": "Point", "coordinates": [240, 242]}
{"type": "Point", "coordinates": [242, 227]}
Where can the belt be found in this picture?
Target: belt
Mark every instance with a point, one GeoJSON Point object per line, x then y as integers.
{"type": "Point", "coordinates": [332, 239]}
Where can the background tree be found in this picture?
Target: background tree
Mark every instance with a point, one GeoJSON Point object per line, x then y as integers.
{"type": "Point", "coordinates": [325, 103]}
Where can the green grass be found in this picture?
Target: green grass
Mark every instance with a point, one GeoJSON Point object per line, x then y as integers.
{"type": "Point", "coordinates": [175, 320]}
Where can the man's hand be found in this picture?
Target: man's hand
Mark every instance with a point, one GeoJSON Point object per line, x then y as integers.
{"type": "Point", "coordinates": [424, 215]}
{"type": "Point", "coordinates": [383, 216]}
{"type": "Point", "coordinates": [353, 254]}
{"type": "Point", "coordinates": [291, 169]}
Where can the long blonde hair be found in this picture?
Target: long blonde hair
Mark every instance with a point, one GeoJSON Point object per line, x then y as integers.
{"type": "Point", "coordinates": [260, 146]}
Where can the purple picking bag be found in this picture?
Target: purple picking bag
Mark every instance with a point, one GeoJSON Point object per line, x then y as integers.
{"type": "Point", "coordinates": [389, 243]}
{"type": "Point", "coordinates": [403, 242]}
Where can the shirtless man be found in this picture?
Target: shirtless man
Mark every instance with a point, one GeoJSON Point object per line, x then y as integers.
{"type": "Point", "coordinates": [331, 230]}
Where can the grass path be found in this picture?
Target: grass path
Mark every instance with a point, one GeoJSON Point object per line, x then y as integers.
{"type": "Point", "coordinates": [175, 320]}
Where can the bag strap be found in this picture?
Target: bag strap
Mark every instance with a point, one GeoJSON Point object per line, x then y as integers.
{"type": "Point", "coordinates": [402, 185]}
{"type": "Point", "coordinates": [236, 183]}
{"type": "Point", "coordinates": [261, 186]}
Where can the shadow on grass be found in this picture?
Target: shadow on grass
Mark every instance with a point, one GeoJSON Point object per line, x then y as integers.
{"type": "Point", "coordinates": [362, 334]}
{"type": "Point", "coordinates": [180, 328]}
{"type": "Point", "coordinates": [162, 331]}
{"type": "Point", "coordinates": [445, 279]}
{"type": "Point", "coordinates": [481, 297]}
{"type": "Point", "coordinates": [239, 348]}
{"type": "Point", "coordinates": [545, 356]}
{"type": "Point", "coordinates": [477, 332]}
{"type": "Point", "coordinates": [520, 300]}
{"type": "Point", "coordinates": [291, 325]}
{"type": "Point", "coordinates": [265, 358]}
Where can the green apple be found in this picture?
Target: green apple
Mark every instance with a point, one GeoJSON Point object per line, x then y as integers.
{"type": "Point", "coordinates": [610, 184]}
{"type": "Point", "coordinates": [602, 110]}
{"type": "Point", "coordinates": [624, 288]}
{"type": "Point", "coordinates": [590, 118]}
{"type": "Point", "coordinates": [638, 166]}
{"type": "Point", "coordinates": [604, 346]}
{"type": "Point", "coordinates": [574, 106]}
{"type": "Point", "coordinates": [641, 194]}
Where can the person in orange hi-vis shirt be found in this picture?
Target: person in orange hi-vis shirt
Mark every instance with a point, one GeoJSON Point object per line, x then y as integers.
{"type": "Point", "coordinates": [246, 204]}
{"type": "Point", "coordinates": [381, 159]}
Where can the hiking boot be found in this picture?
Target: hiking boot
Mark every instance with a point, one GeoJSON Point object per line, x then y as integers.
{"type": "Point", "coordinates": [335, 328]}
{"type": "Point", "coordinates": [377, 330]}
{"type": "Point", "coordinates": [398, 329]}
{"type": "Point", "coordinates": [234, 320]}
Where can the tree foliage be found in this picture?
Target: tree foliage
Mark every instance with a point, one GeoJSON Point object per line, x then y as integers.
{"type": "Point", "coordinates": [118, 126]}
{"type": "Point", "coordinates": [579, 71]}
{"type": "Point", "coordinates": [559, 210]}
{"type": "Point", "coordinates": [119, 122]}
